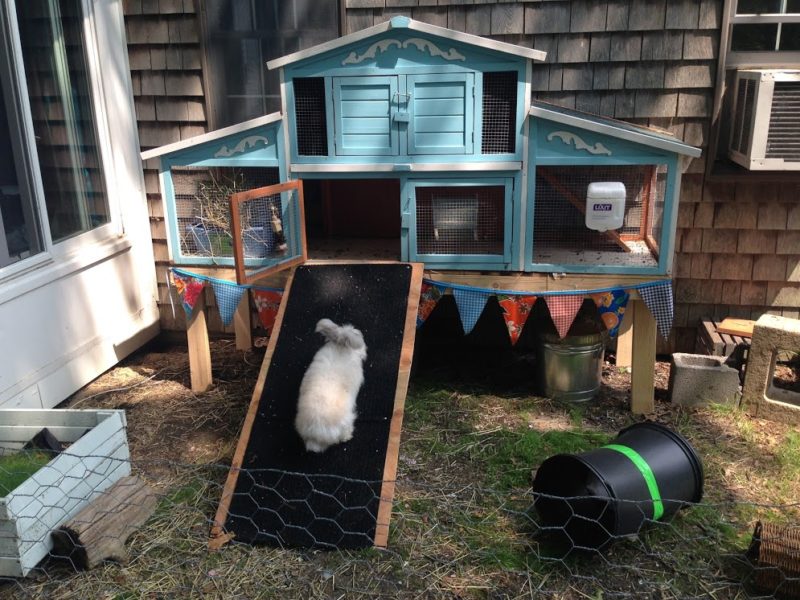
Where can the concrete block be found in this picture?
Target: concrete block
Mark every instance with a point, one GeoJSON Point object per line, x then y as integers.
{"type": "Point", "coordinates": [772, 334]}
{"type": "Point", "coordinates": [698, 380]}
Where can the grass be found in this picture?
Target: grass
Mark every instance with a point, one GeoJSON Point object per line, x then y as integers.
{"type": "Point", "coordinates": [16, 468]}
{"type": "Point", "coordinates": [462, 523]}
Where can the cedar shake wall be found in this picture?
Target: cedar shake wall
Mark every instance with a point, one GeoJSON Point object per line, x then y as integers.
{"type": "Point", "coordinates": [648, 61]}
{"type": "Point", "coordinates": [651, 62]}
{"type": "Point", "coordinates": [167, 74]}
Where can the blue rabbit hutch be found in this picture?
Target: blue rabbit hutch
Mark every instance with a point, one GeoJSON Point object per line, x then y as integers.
{"type": "Point", "coordinates": [419, 143]}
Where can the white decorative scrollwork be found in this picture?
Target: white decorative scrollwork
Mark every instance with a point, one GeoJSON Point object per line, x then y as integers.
{"type": "Point", "coordinates": [421, 44]}
{"type": "Point", "coordinates": [244, 144]}
{"type": "Point", "coordinates": [569, 138]}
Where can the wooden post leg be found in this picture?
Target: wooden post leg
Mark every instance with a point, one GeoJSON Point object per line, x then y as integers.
{"type": "Point", "coordinates": [625, 338]}
{"type": "Point", "coordinates": [199, 349]}
{"type": "Point", "coordinates": [643, 359]}
{"type": "Point", "coordinates": [241, 324]}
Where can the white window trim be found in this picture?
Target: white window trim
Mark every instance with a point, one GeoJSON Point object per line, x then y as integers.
{"type": "Point", "coordinates": [766, 58]}
{"type": "Point", "coordinates": [64, 256]}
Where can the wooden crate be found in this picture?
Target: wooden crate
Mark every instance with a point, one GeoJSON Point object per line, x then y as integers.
{"type": "Point", "coordinates": [96, 458]}
{"type": "Point", "coordinates": [710, 342]}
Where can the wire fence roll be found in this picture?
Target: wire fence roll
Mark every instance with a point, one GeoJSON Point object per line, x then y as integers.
{"type": "Point", "coordinates": [451, 539]}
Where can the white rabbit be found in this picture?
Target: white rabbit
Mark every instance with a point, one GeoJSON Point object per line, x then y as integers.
{"type": "Point", "coordinates": [326, 407]}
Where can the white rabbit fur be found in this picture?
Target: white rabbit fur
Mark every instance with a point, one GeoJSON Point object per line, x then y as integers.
{"type": "Point", "coordinates": [326, 406]}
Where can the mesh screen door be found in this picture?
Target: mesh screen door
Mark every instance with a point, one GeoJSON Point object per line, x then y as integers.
{"type": "Point", "coordinates": [458, 221]}
{"type": "Point", "coordinates": [268, 230]}
{"type": "Point", "coordinates": [560, 234]}
{"type": "Point", "coordinates": [202, 207]}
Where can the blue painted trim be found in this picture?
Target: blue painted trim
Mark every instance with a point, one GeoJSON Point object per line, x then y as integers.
{"type": "Point", "coordinates": [340, 149]}
{"type": "Point", "coordinates": [467, 122]}
{"type": "Point", "coordinates": [666, 244]}
{"type": "Point", "coordinates": [461, 261]}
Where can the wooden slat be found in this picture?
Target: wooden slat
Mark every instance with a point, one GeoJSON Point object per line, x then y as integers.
{"type": "Point", "coordinates": [740, 327]}
{"type": "Point", "coordinates": [643, 359]}
{"type": "Point", "coordinates": [403, 375]}
{"type": "Point", "coordinates": [199, 349]}
{"type": "Point", "coordinates": [625, 341]}
{"type": "Point", "coordinates": [241, 323]}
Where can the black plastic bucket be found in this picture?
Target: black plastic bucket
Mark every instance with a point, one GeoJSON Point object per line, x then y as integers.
{"type": "Point", "coordinates": [647, 473]}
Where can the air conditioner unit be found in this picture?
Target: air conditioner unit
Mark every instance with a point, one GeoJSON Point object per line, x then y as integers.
{"type": "Point", "coordinates": [765, 128]}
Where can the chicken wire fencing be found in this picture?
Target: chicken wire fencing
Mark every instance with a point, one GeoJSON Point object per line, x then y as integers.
{"type": "Point", "coordinates": [560, 231]}
{"type": "Point", "coordinates": [203, 209]}
{"type": "Point", "coordinates": [454, 539]}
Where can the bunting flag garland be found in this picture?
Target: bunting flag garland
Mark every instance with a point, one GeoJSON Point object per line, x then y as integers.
{"type": "Point", "coordinates": [428, 298]}
{"type": "Point", "coordinates": [470, 305]}
{"type": "Point", "coordinates": [516, 310]}
{"type": "Point", "coordinates": [267, 303]}
{"type": "Point", "coordinates": [611, 306]}
{"type": "Point", "coordinates": [228, 296]}
{"type": "Point", "coordinates": [189, 289]}
{"type": "Point", "coordinates": [658, 299]}
{"type": "Point", "coordinates": [563, 309]}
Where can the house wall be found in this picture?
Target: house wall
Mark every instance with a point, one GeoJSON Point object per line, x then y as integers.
{"type": "Point", "coordinates": [166, 59]}
{"type": "Point", "coordinates": [648, 61]}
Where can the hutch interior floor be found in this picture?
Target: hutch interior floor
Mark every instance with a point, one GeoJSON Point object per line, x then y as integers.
{"type": "Point", "coordinates": [639, 256]}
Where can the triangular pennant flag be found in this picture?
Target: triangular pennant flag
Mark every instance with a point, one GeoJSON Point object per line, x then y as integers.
{"type": "Point", "coordinates": [658, 299]}
{"type": "Point", "coordinates": [228, 297]}
{"type": "Point", "coordinates": [516, 310]}
{"type": "Point", "coordinates": [563, 309]}
{"type": "Point", "coordinates": [267, 303]}
{"type": "Point", "coordinates": [611, 308]}
{"type": "Point", "coordinates": [428, 299]}
{"type": "Point", "coordinates": [189, 289]}
{"type": "Point", "coordinates": [470, 305]}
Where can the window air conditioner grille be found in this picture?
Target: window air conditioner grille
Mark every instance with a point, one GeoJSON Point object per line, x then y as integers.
{"type": "Point", "coordinates": [783, 137]}
{"type": "Point", "coordinates": [309, 105]}
{"type": "Point", "coordinates": [499, 112]}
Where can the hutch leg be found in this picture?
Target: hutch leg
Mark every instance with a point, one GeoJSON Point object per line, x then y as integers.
{"type": "Point", "coordinates": [643, 359]}
{"type": "Point", "coordinates": [241, 324]}
{"type": "Point", "coordinates": [625, 339]}
{"type": "Point", "coordinates": [199, 349]}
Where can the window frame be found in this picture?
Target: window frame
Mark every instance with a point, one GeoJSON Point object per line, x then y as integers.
{"type": "Point", "coordinates": [739, 60]}
{"type": "Point", "coordinates": [102, 240]}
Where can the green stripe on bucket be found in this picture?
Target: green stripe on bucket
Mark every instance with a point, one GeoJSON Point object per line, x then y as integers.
{"type": "Point", "coordinates": [647, 473]}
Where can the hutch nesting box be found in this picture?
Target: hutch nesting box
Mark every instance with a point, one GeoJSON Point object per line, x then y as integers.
{"type": "Point", "coordinates": [419, 143]}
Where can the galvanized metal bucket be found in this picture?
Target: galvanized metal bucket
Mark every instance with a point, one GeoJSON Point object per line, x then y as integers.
{"type": "Point", "coordinates": [570, 369]}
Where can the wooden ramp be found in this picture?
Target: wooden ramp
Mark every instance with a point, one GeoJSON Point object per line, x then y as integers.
{"type": "Point", "coordinates": [276, 492]}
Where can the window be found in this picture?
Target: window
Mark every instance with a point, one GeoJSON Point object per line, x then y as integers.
{"type": "Point", "coordinates": [764, 33]}
{"type": "Point", "coordinates": [242, 35]}
{"type": "Point", "coordinates": [52, 183]}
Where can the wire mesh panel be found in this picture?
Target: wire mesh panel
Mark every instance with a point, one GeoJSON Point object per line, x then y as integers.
{"type": "Point", "coordinates": [202, 206]}
{"type": "Point", "coordinates": [310, 114]}
{"type": "Point", "coordinates": [460, 219]}
{"type": "Point", "coordinates": [499, 112]}
{"type": "Point", "coordinates": [268, 232]}
{"type": "Point", "coordinates": [560, 232]}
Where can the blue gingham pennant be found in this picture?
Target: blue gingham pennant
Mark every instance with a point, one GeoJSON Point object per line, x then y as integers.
{"type": "Point", "coordinates": [658, 299]}
{"type": "Point", "coordinates": [470, 306]}
{"type": "Point", "coordinates": [228, 296]}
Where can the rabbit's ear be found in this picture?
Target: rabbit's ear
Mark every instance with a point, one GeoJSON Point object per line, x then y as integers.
{"type": "Point", "coordinates": [327, 328]}
{"type": "Point", "coordinates": [353, 338]}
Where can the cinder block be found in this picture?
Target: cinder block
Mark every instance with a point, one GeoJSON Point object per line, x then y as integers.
{"type": "Point", "coordinates": [698, 380]}
{"type": "Point", "coordinates": [771, 335]}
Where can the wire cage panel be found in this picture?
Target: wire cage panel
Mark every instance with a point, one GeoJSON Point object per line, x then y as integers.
{"type": "Point", "coordinates": [499, 112]}
{"type": "Point", "coordinates": [202, 205]}
{"type": "Point", "coordinates": [268, 231]}
{"type": "Point", "coordinates": [560, 234]}
{"type": "Point", "coordinates": [460, 219]}
{"type": "Point", "coordinates": [310, 116]}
